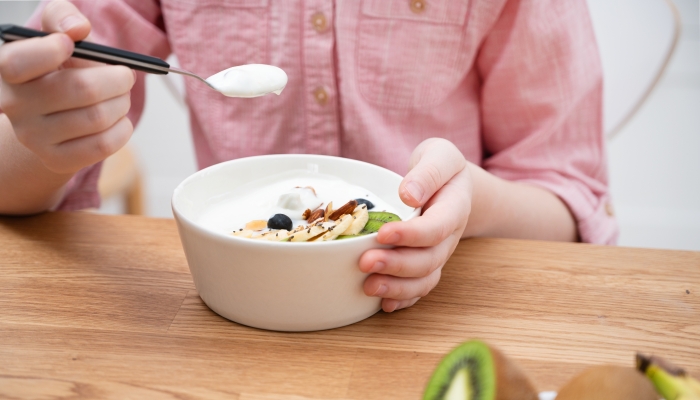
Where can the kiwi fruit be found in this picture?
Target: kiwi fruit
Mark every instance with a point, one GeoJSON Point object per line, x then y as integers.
{"type": "Point", "coordinates": [376, 220]}
{"type": "Point", "coordinates": [475, 371]}
{"type": "Point", "coordinates": [608, 382]}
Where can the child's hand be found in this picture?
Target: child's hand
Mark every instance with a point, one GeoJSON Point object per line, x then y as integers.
{"type": "Point", "coordinates": [70, 113]}
{"type": "Point", "coordinates": [440, 181]}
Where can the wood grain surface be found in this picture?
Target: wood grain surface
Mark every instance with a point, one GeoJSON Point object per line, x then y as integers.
{"type": "Point", "coordinates": [98, 306]}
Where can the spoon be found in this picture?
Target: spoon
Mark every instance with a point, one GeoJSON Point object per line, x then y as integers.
{"type": "Point", "coordinates": [252, 80]}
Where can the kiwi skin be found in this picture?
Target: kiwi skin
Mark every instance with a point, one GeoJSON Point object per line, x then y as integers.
{"type": "Point", "coordinates": [511, 381]}
{"type": "Point", "coordinates": [608, 382]}
{"type": "Point", "coordinates": [492, 376]}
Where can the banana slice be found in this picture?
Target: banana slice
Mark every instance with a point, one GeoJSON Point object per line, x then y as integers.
{"type": "Point", "coordinates": [278, 235]}
{"type": "Point", "coordinates": [360, 217]}
{"type": "Point", "coordinates": [244, 233]}
{"type": "Point", "coordinates": [341, 225]}
{"type": "Point", "coordinates": [308, 233]}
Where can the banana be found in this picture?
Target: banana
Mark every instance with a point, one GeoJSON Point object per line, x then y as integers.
{"type": "Point", "coordinates": [278, 235]}
{"type": "Point", "coordinates": [360, 217]}
{"type": "Point", "coordinates": [670, 382]}
{"type": "Point", "coordinates": [309, 233]}
{"type": "Point", "coordinates": [244, 233]}
{"type": "Point", "coordinates": [342, 224]}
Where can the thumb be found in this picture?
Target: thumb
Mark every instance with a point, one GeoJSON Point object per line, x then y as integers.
{"type": "Point", "coordinates": [62, 16]}
{"type": "Point", "coordinates": [433, 163]}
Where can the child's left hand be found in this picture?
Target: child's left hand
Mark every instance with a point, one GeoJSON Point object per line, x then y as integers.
{"type": "Point", "coordinates": [439, 181]}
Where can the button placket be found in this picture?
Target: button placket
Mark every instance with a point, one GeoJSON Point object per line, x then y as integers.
{"type": "Point", "coordinates": [322, 125]}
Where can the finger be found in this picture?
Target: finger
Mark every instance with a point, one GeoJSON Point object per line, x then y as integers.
{"type": "Point", "coordinates": [75, 154]}
{"type": "Point", "coordinates": [391, 305]}
{"type": "Point", "coordinates": [446, 212]}
{"type": "Point", "coordinates": [63, 16]}
{"type": "Point", "coordinates": [434, 163]}
{"type": "Point", "coordinates": [391, 287]}
{"type": "Point", "coordinates": [72, 124]}
{"type": "Point", "coordinates": [28, 59]}
{"type": "Point", "coordinates": [408, 262]}
{"type": "Point", "coordinates": [72, 88]}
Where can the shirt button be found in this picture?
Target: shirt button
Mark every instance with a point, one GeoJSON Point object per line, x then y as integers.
{"type": "Point", "coordinates": [417, 6]}
{"type": "Point", "coordinates": [609, 209]}
{"type": "Point", "coordinates": [319, 22]}
{"type": "Point", "coordinates": [321, 96]}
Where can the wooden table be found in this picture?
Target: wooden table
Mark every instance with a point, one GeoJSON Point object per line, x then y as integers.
{"type": "Point", "coordinates": [104, 307]}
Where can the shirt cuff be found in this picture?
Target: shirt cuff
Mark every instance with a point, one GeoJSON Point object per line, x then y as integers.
{"type": "Point", "coordinates": [81, 191]}
{"type": "Point", "coordinates": [592, 211]}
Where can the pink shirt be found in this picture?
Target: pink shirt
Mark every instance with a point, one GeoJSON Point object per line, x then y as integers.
{"type": "Point", "coordinates": [515, 85]}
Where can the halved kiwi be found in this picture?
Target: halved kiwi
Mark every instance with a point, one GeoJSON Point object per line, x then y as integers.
{"type": "Point", "coordinates": [475, 371]}
{"type": "Point", "coordinates": [608, 382]}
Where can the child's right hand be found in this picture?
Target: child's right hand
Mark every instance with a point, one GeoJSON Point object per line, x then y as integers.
{"type": "Point", "coordinates": [71, 113]}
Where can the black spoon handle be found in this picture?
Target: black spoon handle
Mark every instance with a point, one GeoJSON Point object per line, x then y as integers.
{"type": "Point", "coordinates": [94, 52]}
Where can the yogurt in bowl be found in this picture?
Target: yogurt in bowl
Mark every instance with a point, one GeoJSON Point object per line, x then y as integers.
{"type": "Point", "coordinates": [286, 286]}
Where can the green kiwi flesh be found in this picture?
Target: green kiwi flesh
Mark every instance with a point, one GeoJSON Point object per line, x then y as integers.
{"type": "Point", "coordinates": [376, 220]}
{"type": "Point", "coordinates": [466, 373]}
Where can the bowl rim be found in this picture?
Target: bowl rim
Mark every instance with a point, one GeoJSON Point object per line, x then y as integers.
{"type": "Point", "coordinates": [222, 236]}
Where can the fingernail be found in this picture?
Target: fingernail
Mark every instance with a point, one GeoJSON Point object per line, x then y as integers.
{"type": "Point", "coordinates": [134, 72]}
{"type": "Point", "coordinates": [381, 290]}
{"type": "Point", "coordinates": [378, 266]}
{"type": "Point", "coordinates": [69, 22]}
{"type": "Point", "coordinates": [393, 238]}
{"type": "Point", "coordinates": [415, 190]}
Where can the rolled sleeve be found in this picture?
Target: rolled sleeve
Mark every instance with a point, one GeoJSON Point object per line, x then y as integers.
{"type": "Point", "coordinates": [542, 108]}
{"type": "Point", "coordinates": [81, 191]}
{"type": "Point", "coordinates": [135, 25]}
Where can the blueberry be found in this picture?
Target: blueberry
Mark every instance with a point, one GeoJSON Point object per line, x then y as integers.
{"type": "Point", "coordinates": [280, 221]}
{"type": "Point", "coordinates": [366, 202]}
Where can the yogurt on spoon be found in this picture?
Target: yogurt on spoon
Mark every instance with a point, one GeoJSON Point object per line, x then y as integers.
{"type": "Point", "coordinates": [251, 80]}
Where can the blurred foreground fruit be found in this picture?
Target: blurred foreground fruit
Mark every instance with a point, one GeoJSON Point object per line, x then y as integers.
{"type": "Point", "coordinates": [475, 371]}
{"type": "Point", "coordinates": [670, 381]}
{"type": "Point", "coordinates": [608, 382]}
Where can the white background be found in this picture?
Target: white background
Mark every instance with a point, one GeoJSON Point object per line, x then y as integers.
{"type": "Point", "coordinates": [654, 161]}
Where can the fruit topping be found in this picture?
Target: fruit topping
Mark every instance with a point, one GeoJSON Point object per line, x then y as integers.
{"type": "Point", "coordinates": [256, 225]}
{"type": "Point", "coordinates": [280, 221]}
{"type": "Point", "coordinates": [365, 202]}
{"type": "Point", "coordinates": [377, 219]}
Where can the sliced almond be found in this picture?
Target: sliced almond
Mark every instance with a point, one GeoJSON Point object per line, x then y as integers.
{"type": "Point", "coordinates": [347, 208]}
{"type": "Point", "coordinates": [360, 217]}
{"type": "Point", "coordinates": [341, 225]}
{"type": "Point", "coordinates": [313, 216]}
{"type": "Point", "coordinates": [256, 225]}
{"type": "Point", "coordinates": [329, 211]}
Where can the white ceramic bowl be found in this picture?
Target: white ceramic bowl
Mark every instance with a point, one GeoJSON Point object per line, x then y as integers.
{"type": "Point", "coordinates": [272, 285]}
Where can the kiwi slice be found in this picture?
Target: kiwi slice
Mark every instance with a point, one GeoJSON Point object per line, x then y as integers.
{"type": "Point", "coordinates": [475, 371]}
{"type": "Point", "coordinates": [377, 219]}
{"type": "Point", "coordinates": [608, 382]}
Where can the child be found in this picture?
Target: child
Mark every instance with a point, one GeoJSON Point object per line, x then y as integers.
{"type": "Point", "coordinates": [491, 109]}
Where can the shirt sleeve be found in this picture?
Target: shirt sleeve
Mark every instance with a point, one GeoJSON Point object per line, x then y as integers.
{"type": "Point", "coordinates": [135, 25]}
{"type": "Point", "coordinates": [542, 108]}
